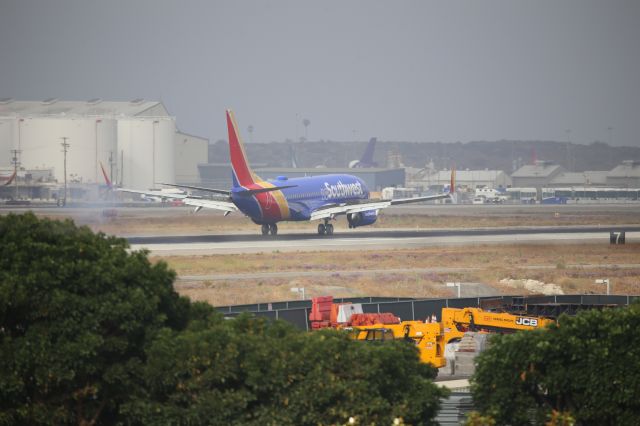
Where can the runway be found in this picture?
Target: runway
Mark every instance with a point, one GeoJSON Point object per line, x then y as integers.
{"type": "Point", "coordinates": [354, 240]}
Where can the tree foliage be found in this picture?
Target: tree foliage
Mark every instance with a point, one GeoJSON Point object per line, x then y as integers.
{"type": "Point", "coordinates": [92, 333]}
{"type": "Point", "coordinates": [76, 312]}
{"type": "Point", "coordinates": [585, 368]}
{"type": "Point", "coordinates": [250, 371]}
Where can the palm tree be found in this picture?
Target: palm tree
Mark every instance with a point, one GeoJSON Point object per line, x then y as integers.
{"type": "Point", "coordinates": [250, 130]}
{"type": "Point", "coordinates": [306, 123]}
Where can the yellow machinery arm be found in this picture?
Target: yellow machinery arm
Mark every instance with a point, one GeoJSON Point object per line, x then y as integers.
{"type": "Point", "coordinates": [476, 319]}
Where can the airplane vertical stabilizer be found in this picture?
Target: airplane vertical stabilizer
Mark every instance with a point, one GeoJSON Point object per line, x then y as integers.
{"type": "Point", "coordinates": [242, 173]}
{"type": "Point", "coordinates": [367, 156]}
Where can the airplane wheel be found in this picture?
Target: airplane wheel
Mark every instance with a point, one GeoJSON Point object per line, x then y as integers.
{"type": "Point", "coordinates": [265, 229]}
{"type": "Point", "coordinates": [321, 229]}
{"type": "Point", "coordinates": [274, 229]}
{"type": "Point", "coordinates": [329, 229]}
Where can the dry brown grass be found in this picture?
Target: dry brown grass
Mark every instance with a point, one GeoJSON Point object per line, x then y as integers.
{"type": "Point", "coordinates": [559, 264]}
{"type": "Point", "coordinates": [485, 256]}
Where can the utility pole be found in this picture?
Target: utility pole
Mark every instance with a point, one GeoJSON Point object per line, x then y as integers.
{"type": "Point", "coordinates": [65, 148]}
{"type": "Point", "coordinates": [111, 163]}
{"type": "Point", "coordinates": [95, 167]}
{"type": "Point", "coordinates": [15, 160]}
{"type": "Point", "coordinates": [153, 162]}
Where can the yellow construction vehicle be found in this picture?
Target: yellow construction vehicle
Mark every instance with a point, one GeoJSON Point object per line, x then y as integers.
{"type": "Point", "coordinates": [431, 337]}
{"type": "Point", "coordinates": [426, 336]}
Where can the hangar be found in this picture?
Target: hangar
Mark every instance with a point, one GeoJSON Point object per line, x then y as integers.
{"type": "Point", "coordinates": [136, 141]}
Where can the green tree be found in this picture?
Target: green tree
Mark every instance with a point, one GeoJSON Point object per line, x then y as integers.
{"type": "Point", "coordinates": [250, 371]}
{"type": "Point", "coordinates": [92, 333]}
{"type": "Point", "coordinates": [585, 368]}
{"type": "Point", "coordinates": [76, 312]}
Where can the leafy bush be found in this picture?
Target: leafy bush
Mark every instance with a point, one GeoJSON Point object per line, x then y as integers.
{"type": "Point", "coordinates": [585, 368]}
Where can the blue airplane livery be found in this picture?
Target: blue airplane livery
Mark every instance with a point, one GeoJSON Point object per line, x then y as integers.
{"type": "Point", "coordinates": [267, 202]}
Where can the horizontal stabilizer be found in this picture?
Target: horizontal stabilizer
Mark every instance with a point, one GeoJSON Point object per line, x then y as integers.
{"type": "Point", "coordinates": [249, 192]}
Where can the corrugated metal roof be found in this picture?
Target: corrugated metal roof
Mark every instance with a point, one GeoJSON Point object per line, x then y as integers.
{"type": "Point", "coordinates": [468, 175]}
{"type": "Point", "coordinates": [540, 169]}
{"type": "Point", "coordinates": [628, 168]}
{"type": "Point", "coordinates": [93, 107]}
{"type": "Point", "coordinates": [581, 178]}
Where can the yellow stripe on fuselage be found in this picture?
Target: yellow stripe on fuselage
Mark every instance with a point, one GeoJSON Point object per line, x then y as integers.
{"type": "Point", "coordinates": [279, 197]}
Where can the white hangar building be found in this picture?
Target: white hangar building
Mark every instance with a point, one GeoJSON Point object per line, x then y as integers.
{"type": "Point", "coordinates": [137, 141]}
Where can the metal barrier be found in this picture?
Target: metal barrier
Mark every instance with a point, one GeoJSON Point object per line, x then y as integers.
{"type": "Point", "coordinates": [297, 312]}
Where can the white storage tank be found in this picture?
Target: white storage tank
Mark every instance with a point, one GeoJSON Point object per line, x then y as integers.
{"type": "Point", "coordinates": [90, 141]}
{"type": "Point", "coordinates": [146, 147]}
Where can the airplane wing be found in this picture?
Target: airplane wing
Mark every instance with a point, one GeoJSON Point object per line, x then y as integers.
{"type": "Point", "coordinates": [199, 203]}
{"type": "Point", "coordinates": [199, 188]}
{"type": "Point", "coordinates": [332, 210]}
{"type": "Point", "coordinates": [168, 196]}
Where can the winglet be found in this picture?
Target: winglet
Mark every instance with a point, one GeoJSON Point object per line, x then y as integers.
{"type": "Point", "coordinates": [106, 178]}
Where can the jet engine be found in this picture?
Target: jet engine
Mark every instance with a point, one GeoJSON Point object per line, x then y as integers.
{"type": "Point", "coordinates": [362, 218]}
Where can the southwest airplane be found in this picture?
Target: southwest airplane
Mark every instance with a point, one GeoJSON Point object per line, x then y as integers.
{"type": "Point", "coordinates": [268, 202]}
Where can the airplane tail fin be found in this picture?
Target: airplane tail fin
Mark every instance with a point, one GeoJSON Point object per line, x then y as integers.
{"type": "Point", "coordinates": [367, 157]}
{"type": "Point", "coordinates": [11, 178]}
{"type": "Point", "coordinates": [452, 186]}
{"type": "Point", "coordinates": [106, 178]}
{"type": "Point", "coordinates": [242, 173]}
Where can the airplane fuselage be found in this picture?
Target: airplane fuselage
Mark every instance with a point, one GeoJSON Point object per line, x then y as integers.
{"type": "Point", "coordinates": [297, 203]}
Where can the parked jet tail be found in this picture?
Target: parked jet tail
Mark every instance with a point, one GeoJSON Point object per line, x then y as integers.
{"type": "Point", "coordinates": [367, 157]}
{"type": "Point", "coordinates": [242, 173]}
{"type": "Point", "coordinates": [106, 178]}
{"type": "Point", "coordinates": [10, 179]}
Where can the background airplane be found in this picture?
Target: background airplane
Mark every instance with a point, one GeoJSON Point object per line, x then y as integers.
{"type": "Point", "coordinates": [367, 157]}
{"type": "Point", "coordinates": [268, 202]}
{"type": "Point", "coordinates": [6, 180]}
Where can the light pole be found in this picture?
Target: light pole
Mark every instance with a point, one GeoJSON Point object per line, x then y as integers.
{"type": "Point", "coordinates": [153, 162]}
{"type": "Point", "coordinates": [604, 281]}
{"type": "Point", "coordinates": [65, 148]}
{"type": "Point", "coordinates": [95, 168]}
{"type": "Point", "coordinates": [15, 160]}
{"type": "Point", "coordinates": [455, 285]}
{"type": "Point", "coordinates": [299, 290]}
{"type": "Point", "coordinates": [568, 132]}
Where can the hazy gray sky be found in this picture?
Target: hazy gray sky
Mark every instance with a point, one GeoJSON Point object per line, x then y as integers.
{"type": "Point", "coordinates": [400, 70]}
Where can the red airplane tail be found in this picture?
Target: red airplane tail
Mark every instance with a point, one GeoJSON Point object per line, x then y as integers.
{"type": "Point", "coordinates": [242, 173]}
{"type": "Point", "coordinates": [11, 178]}
{"type": "Point", "coordinates": [106, 178]}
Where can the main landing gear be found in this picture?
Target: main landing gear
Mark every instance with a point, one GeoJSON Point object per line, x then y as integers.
{"type": "Point", "coordinates": [325, 228]}
{"type": "Point", "coordinates": [269, 228]}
